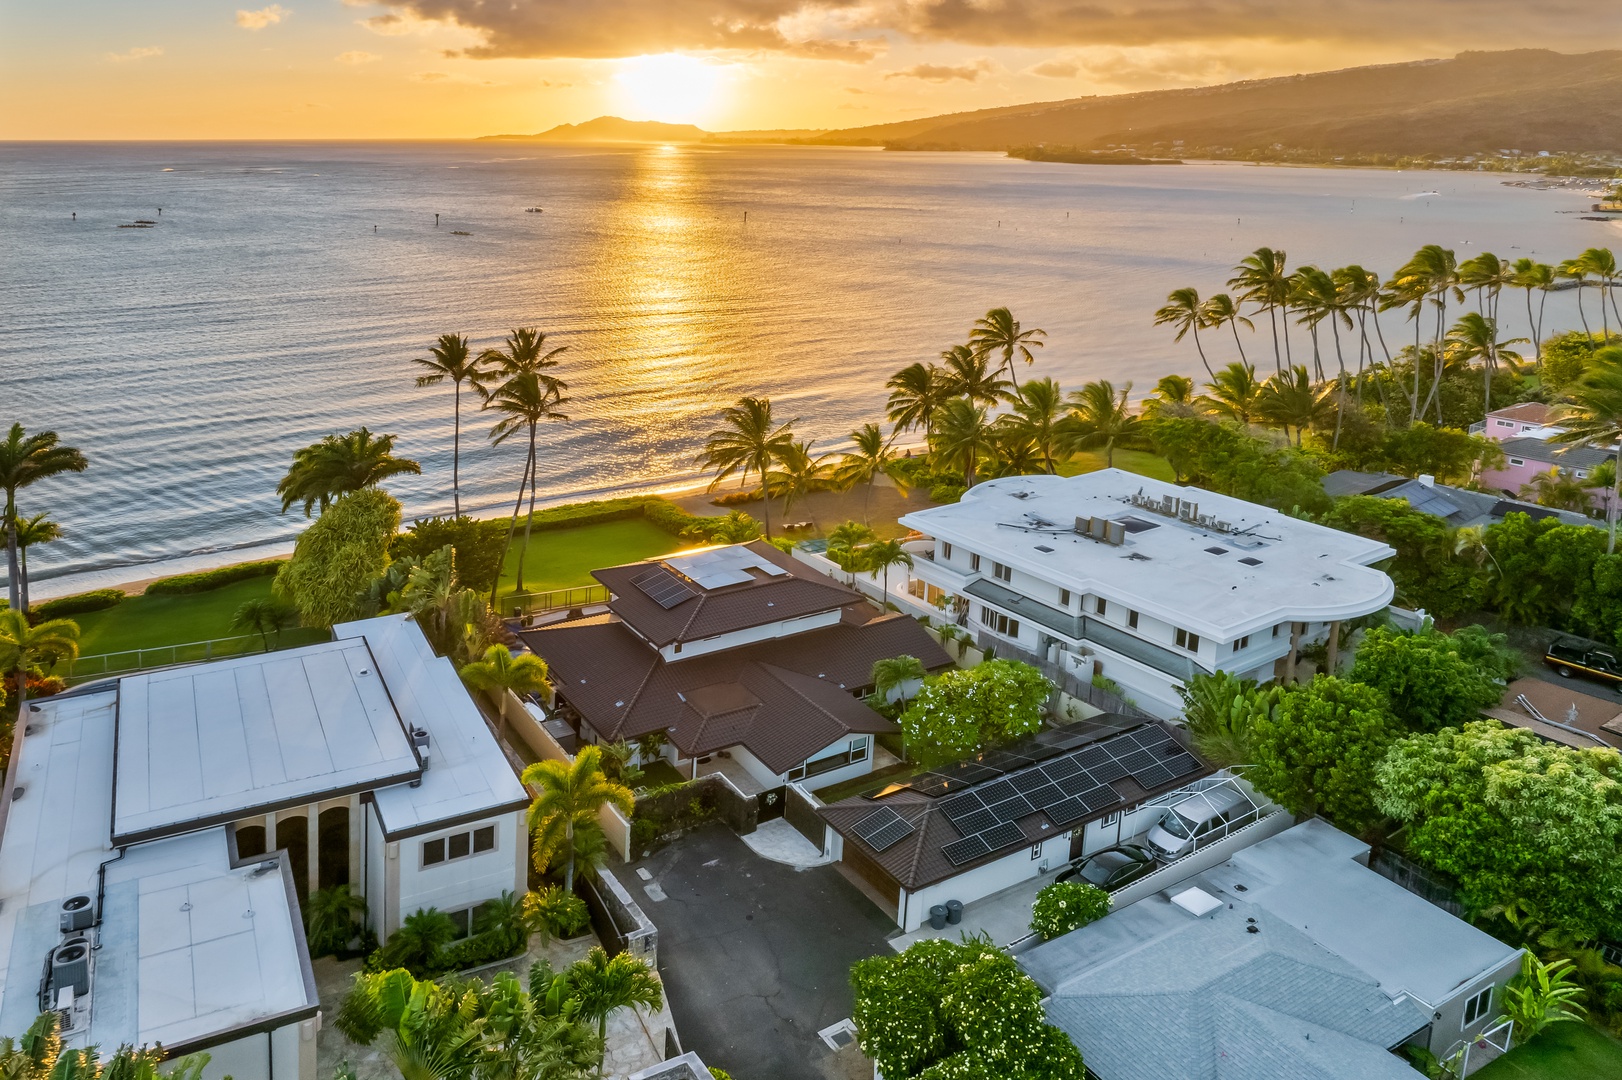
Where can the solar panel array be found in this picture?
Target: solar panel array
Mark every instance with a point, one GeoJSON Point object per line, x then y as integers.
{"type": "Point", "coordinates": [663, 587]}
{"type": "Point", "coordinates": [1068, 789]}
{"type": "Point", "coordinates": [882, 828]}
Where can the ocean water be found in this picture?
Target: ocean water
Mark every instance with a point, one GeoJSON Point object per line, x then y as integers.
{"type": "Point", "coordinates": [286, 287]}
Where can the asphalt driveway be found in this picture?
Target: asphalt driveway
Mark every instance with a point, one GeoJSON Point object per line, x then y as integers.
{"type": "Point", "coordinates": [756, 955]}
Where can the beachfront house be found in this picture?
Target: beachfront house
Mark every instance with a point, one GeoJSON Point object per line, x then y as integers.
{"type": "Point", "coordinates": [1145, 583]}
{"type": "Point", "coordinates": [161, 831]}
{"type": "Point", "coordinates": [1291, 959]}
{"type": "Point", "coordinates": [746, 661]}
{"type": "Point", "coordinates": [1513, 421]}
{"type": "Point", "coordinates": [1458, 507]}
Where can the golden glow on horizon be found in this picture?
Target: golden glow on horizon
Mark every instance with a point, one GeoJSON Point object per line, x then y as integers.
{"type": "Point", "coordinates": [670, 87]}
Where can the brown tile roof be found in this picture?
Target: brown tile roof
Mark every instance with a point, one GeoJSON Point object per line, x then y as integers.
{"type": "Point", "coordinates": [919, 859]}
{"type": "Point", "coordinates": [765, 599]}
{"type": "Point", "coordinates": [784, 700]}
{"type": "Point", "coordinates": [1528, 412]}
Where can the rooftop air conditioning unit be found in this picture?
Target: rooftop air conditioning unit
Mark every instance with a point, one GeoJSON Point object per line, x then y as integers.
{"type": "Point", "coordinates": [1116, 534]}
{"type": "Point", "coordinates": [70, 967]}
{"type": "Point", "coordinates": [1100, 528]}
{"type": "Point", "coordinates": [1084, 525]}
{"type": "Point", "coordinates": [78, 913]}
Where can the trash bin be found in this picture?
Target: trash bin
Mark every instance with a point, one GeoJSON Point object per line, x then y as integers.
{"type": "Point", "coordinates": [937, 916]}
{"type": "Point", "coordinates": [954, 911]}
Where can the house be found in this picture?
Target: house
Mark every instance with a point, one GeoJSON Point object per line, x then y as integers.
{"type": "Point", "coordinates": [1291, 960]}
{"type": "Point", "coordinates": [1140, 581]}
{"type": "Point", "coordinates": [743, 658]}
{"type": "Point", "coordinates": [1458, 507]}
{"type": "Point", "coordinates": [1513, 421]}
{"type": "Point", "coordinates": [1528, 456]}
{"type": "Point", "coordinates": [163, 829]}
{"type": "Point", "coordinates": [979, 826]}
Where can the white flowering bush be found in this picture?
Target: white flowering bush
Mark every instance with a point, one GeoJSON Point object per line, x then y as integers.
{"type": "Point", "coordinates": [1066, 905]}
{"type": "Point", "coordinates": [966, 709]}
{"type": "Point", "coordinates": [946, 1010]}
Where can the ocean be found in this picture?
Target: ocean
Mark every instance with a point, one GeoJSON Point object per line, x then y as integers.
{"type": "Point", "coordinates": [284, 289]}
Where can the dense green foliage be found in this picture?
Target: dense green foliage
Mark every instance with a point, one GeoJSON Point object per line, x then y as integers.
{"type": "Point", "coordinates": [40, 1054]}
{"type": "Point", "coordinates": [963, 710]}
{"type": "Point", "coordinates": [946, 1010]}
{"type": "Point", "coordinates": [1224, 457]}
{"type": "Point", "coordinates": [1064, 906]}
{"type": "Point", "coordinates": [1433, 680]}
{"type": "Point", "coordinates": [77, 604]}
{"type": "Point", "coordinates": [561, 914]}
{"type": "Point", "coordinates": [1511, 816]}
{"type": "Point", "coordinates": [1424, 571]}
{"type": "Point", "coordinates": [1218, 708]}
{"type": "Point", "coordinates": [341, 553]}
{"type": "Point", "coordinates": [479, 546]}
{"type": "Point", "coordinates": [205, 580]}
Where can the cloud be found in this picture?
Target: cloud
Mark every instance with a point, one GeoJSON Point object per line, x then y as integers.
{"type": "Point", "coordinates": [140, 52]}
{"type": "Point", "coordinates": [854, 90]}
{"type": "Point", "coordinates": [430, 76]}
{"type": "Point", "coordinates": [356, 56]}
{"type": "Point", "coordinates": [1057, 68]}
{"type": "Point", "coordinates": [940, 73]}
{"type": "Point", "coordinates": [258, 20]}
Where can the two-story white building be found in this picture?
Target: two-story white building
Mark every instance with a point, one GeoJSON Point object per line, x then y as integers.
{"type": "Point", "coordinates": [1140, 581]}
{"type": "Point", "coordinates": [161, 830]}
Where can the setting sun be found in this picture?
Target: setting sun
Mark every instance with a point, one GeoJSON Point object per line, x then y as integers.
{"type": "Point", "coordinates": [669, 87]}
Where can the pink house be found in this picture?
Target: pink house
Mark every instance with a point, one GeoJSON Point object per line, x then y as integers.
{"type": "Point", "coordinates": [1513, 421]}
{"type": "Point", "coordinates": [1526, 457]}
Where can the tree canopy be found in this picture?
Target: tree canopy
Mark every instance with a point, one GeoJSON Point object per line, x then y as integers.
{"type": "Point", "coordinates": [961, 711]}
{"type": "Point", "coordinates": [1434, 680]}
{"type": "Point", "coordinates": [1424, 571]}
{"type": "Point", "coordinates": [339, 555]}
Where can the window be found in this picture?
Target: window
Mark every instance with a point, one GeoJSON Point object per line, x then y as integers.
{"type": "Point", "coordinates": [1517, 461]}
{"type": "Point", "coordinates": [1582, 474]}
{"type": "Point", "coordinates": [1275, 630]}
{"type": "Point", "coordinates": [1186, 640]}
{"type": "Point", "coordinates": [458, 845]}
{"type": "Point", "coordinates": [1132, 619]}
{"type": "Point", "coordinates": [1506, 423]}
{"type": "Point", "coordinates": [1001, 572]}
{"type": "Point", "coordinates": [1476, 1007]}
{"type": "Point", "coordinates": [1242, 643]}
{"type": "Point", "coordinates": [1100, 605]}
{"type": "Point", "coordinates": [999, 622]}
{"type": "Point", "coordinates": [1036, 851]}
{"type": "Point", "coordinates": [1109, 820]}
{"type": "Point", "coordinates": [854, 751]}
{"type": "Point", "coordinates": [946, 551]}
{"type": "Point", "coordinates": [974, 562]}
{"type": "Point", "coordinates": [1064, 598]}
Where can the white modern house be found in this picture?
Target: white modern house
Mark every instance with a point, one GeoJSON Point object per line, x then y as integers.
{"type": "Point", "coordinates": [160, 830]}
{"type": "Point", "coordinates": [1144, 582]}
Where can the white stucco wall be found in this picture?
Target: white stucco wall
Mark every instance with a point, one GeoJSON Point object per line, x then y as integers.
{"type": "Point", "coordinates": [1009, 870]}
{"type": "Point", "coordinates": [460, 883]}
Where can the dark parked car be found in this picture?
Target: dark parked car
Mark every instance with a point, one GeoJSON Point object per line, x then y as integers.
{"type": "Point", "coordinates": [1112, 867]}
{"type": "Point", "coordinates": [1573, 656]}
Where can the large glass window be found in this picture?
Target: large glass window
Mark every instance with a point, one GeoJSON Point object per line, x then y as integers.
{"type": "Point", "coordinates": [1186, 640]}
{"type": "Point", "coordinates": [1002, 624]}
{"type": "Point", "coordinates": [461, 845]}
{"type": "Point", "coordinates": [1476, 1007]}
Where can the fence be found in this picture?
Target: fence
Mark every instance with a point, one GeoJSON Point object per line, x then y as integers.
{"type": "Point", "coordinates": [534, 603]}
{"type": "Point", "coordinates": [523, 724]}
{"type": "Point", "coordinates": [1426, 884]}
{"type": "Point", "coordinates": [101, 665]}
{"type": "Point", "coordinates": [618, 919]}
{"type": "Point", "coordinates": [800, 811]}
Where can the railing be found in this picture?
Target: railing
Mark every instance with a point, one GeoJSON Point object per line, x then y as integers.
{"type": "Point", "coordinates": [1418, 880]}
{"type": "Point", "coordinates": [535, 603]}
{"type": "Point", "coordinates": [1478, 427]}
{"type": "Point", "coordinates": [102, 665]}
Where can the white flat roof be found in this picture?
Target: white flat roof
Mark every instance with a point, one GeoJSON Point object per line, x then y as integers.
{"type": "Point", "coordinates": [468, 775]}
{"type": "Point", "coordinates": [188, 949]}
{"type": "Point", "coordinates": [1189, 575]}
{"type": "Point", "coordinates": [210, 743]}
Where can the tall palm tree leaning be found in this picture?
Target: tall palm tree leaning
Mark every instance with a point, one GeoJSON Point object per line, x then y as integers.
{"type": "Point", "coordinates": [1039, 409]}
{"type": "Point", "coordinates": [963, 436]}
{"type": "Point", "coordinates": [872, 458]}
{"type": "Point", "coordinates": [339, 464]}
{"type": "Point", "coordinates": [601, 985]}
{"type": "Point", "coordinates": [1220, 310]}
{"type": "Point", "coordinates": [751, 441]}
{"type": "Point", "coordinates": [1594, 417]}
{"type": "Point", "coordinates": [525, 399]}
{"type": "Point", "coordinates": [1184, 311]}
{"type": "Point", "coordinates": [883, 554]}
{"type": "Point", "coordinates": [39, 529]}
{"type": "Point", "coordinates": [1531, 276]}
{"type": "Point", "coordinates": [896, 674]}
{"type": "Point", "coordinates": [1233, 392]}
{"type": "Point", "coordinates": [799, 473]}
{"type": "Point", "coordinates": [916, 391]}
{"type": "Point", "coordinates": [1099, 417]}
{"type": "Point", "coordinates": [451, 359]}
{"type": "Point", "coordinates": [1261, 279]}
{"type": "Point", "coordinates": [27, 459]}
{"type": "Point", "coordinates": [24, 648]}
{"type": "Point", "coordinates": [571, 793]}
{"type": "Point", "coordinates": [1000, 332]}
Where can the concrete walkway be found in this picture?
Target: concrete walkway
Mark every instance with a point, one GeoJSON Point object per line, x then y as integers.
{"type": "Point", "coordinates": [1005, 916]}
{"type": "Point", "coordinates": [781, 842]}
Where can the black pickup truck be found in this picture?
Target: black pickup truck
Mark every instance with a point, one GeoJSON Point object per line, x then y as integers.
{"type": "Point", "coordinates": [1572, 656]}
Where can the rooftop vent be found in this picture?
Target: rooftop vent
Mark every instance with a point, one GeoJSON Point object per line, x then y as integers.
{"type": "Point", "coordinates": [1196, 901]}
{"type": "Point", "coordinates": [419, 739]}
{"type": "Point", "coordinates": [1249, 560]}
{"type": "Point", "coordinates": [78, 913]}
{"type": "Point", "coordinates": [1044, 548]}
{"type": "Point", "coordinates": [1216, 551]}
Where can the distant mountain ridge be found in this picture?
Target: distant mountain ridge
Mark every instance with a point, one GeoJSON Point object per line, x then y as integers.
{"type": "Point", "coordinates": [612, 129]}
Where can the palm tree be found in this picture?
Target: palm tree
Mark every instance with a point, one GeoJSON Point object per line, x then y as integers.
{"type": "Point", "coordinates": [524, 400]}
{"type": "Point", "coordinates": [40, 1054]}
{"type": "Point", "coordinates": [1099, 417]}
{"type": "Point", "coordinates": [871, 459]}
{"type": "Point", "coordinates": [1557, 489]}
{"type": "Point", "coordinates": [1262, 280]}
{"type": "Point", "coordinates": [25, 649]}
{"type": "Point", "coordinates": [339, 464]}
{"type": "Point", "coordinates": [434, 1032]}
{"type": "Point", "coordinates": [799, 473]}
{"type": "Point", "coordinates": [1577, 270]}
{"type": "Point", "coordinates": [601, 985]}
{"type": "Point", "coordinates": [1173, 397]}
{"type": "Point", "coordinates": [1601, 262]}
{"type": "Point", "coordinates": [525, 350]}
{"type": "Point", "coordinates": [750, 442]}
{"type": "Point", "coordinates": [968, 375]}
{"type": "Point", "coordinates": [1290, 401]}
{"type": "Point", "coordinates": [26, 459]}
{"type": "Point", "coordinates": [1038, 411]}
{"type": "Point", "coordinates": [1475, 337]}
{"type": "Point", "coordinates": [963, 436]}
{"type": "Point", "coordinates": [1315, 295]}
{"type": "Point", "coordinates": [1000, 332]}
{"type": "Point", "coordinates": [263, 615]}
{"type": "Point", "coordinates": [846, 544]}
{"type": "Point", "coordinates": [1594, 416]}
{"type": "Point", "coordinates": [500, 670]}
{"type": "Point", "coordinates": [1220, 309]}
{"type": "Point", "coordinates": [1470, 542]}
{"type": "Point", "coordinates": [896, 674]}
{"type": "Point", "coordinates": [1233, 392]}
{"type": "Point", "coordinates": [571, 793]}
{"type": "Point", "coordinates": [883, 554]}
{"type": "Point", "coordinates": [1531, 275]}
{"type": "Point", "coordinates": [450, 359]}
{"type": "Point", "coordinates": [1359, 292]}
{"type": "Point", "coordinates": [39, 529]}
{"type": "Point", "coordinates": [1184, 311]}
{"type": "Point", "coordinates": [916, 391]}
{"type": "Point", "coordinates": [329, 918]}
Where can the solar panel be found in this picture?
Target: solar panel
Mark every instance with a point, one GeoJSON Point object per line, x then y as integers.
{"type": "Point", "coordinates": [1106, 771]}
{"type": "Point", "coordinates": [969, 824]}
{"type": "Point", "coordinates": [1075, 785]}
{"type": "Point", "coordinates": [1066, 813]}
{"type": "Point", "coordinates": [1182, 764]}
{"type": "Point", "coordinates": [882, 828]}
{"type": "Point", "coordinates": [1137, 759]}
{"type": "Point", "coordinates": [1098, 798]}
{"type": "Point", "coordinates": [1028, 781]}
{"type": "Point", "coordinates": [1093, 755]}
{"type": "Point", "coordinates": [1046, 795]}
{"type": "Point", "coordinates": [1002, 836]}
{"type": "Point", "coordinates": [995, 793]}
{"type": "Point", "coordinates": [1061, 767]}
{"type": "Point", "coordinates": [663, 588]}
{"type": "Point", "coordinates": [968, 849]}
{"type": "Point", "coordinates": [1012, 809]}
{"type": "Point", "coordinates": [961, 806]}
{"type": "Point", "coordinates": [1153, 776]}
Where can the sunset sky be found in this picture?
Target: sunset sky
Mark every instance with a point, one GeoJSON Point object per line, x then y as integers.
{"type": "Point", "coordinates": [161, 69]}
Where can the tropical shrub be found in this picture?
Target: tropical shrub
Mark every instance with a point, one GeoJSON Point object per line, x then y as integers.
{"type": "Point", "coordinates": [946, 493]}
{"type": "Point", "coordinates": [561, 914]}
{"type": "Point", "coordinates": [1542, 994]}
{"type": "Point", "coordinates": [1565, 357]}
{"type": "Point", "coordinates": [339, 555]}
{"type": "Point", "coordinates": [417, 944]}
{"type": "Point", "coordinates": [78, 604]}
{"type": "Point", "coordinates": [959, 712]}
{"type": "Point", "coordinates": [1067, 905]}
{"type": "Point", "coordinates": [330, 919]}
{"type": "Point", "coordinates": [479, 546]}
{"type": "Point", "coordinates": [1433, 680]}
{"type": "Point", "coordinates": [204, 580]}
{"type": "Point", "coordinates": [1543, 568]}
{"type": "Point", "coordinates": [1424, 570]}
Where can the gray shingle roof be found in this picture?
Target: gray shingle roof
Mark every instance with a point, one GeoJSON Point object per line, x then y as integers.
{"type": "Point", "coordinates": [1556, 453]}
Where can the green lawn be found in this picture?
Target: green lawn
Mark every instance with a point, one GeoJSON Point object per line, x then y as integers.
{"type": "Point", "coordinates": [1562, 1052]}
{"type": "Point", "coordinates": [144, 622]}
{"type": "Point", "coordinates": [565, 558]}
{"type": "Point", "coordinates": [1139, 461]}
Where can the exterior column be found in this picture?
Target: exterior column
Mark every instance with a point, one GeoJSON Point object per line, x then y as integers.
{"type": "Point", "coordinates": [312, 834]}
{"type": "Point", "coordinates": [270, 832]}
{"type": "Point", "coordinates": [1295, 652]}
{"type": "Point", "coordinates": [1334, 647]}
{"type": "Point", "coordinates": [357, 872]}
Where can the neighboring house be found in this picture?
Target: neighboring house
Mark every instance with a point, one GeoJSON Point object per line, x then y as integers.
{"type": "Point", "coordinates": [1528, 456]}
{"type": "Point", "coordinates": [1560, 713]}
{"type": "Point", "coordinates": [739, 653]}
{"type": "Point", "coordinates": [174, 820]}
{"type": "Point", "coordinates": [1292, 960]}
{"type": "Point", "coordinates": [1513, 421]}
{"type": "Point", "coordinates": [1143, 582]}
{"type": "Point", "coordinates": [1457, 506]}
{"type": "Point", "coordinates": [976, 827]}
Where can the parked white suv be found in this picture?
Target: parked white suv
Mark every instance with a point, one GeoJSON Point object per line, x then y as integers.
{"type": "Point", "coordinates": [1194, 821]}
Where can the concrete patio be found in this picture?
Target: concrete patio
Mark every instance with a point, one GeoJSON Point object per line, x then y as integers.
{"type": "Point", "coordinates": [1004, 916]}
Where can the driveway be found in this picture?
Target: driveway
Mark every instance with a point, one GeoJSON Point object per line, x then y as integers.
{"type": "Point", "coordinates": [756, 955]}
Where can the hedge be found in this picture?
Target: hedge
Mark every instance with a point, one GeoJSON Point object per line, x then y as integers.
{"type": "Point", "coordinates": [204, 580]}
{"type": "Point", "coordinates": [95, 600]}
